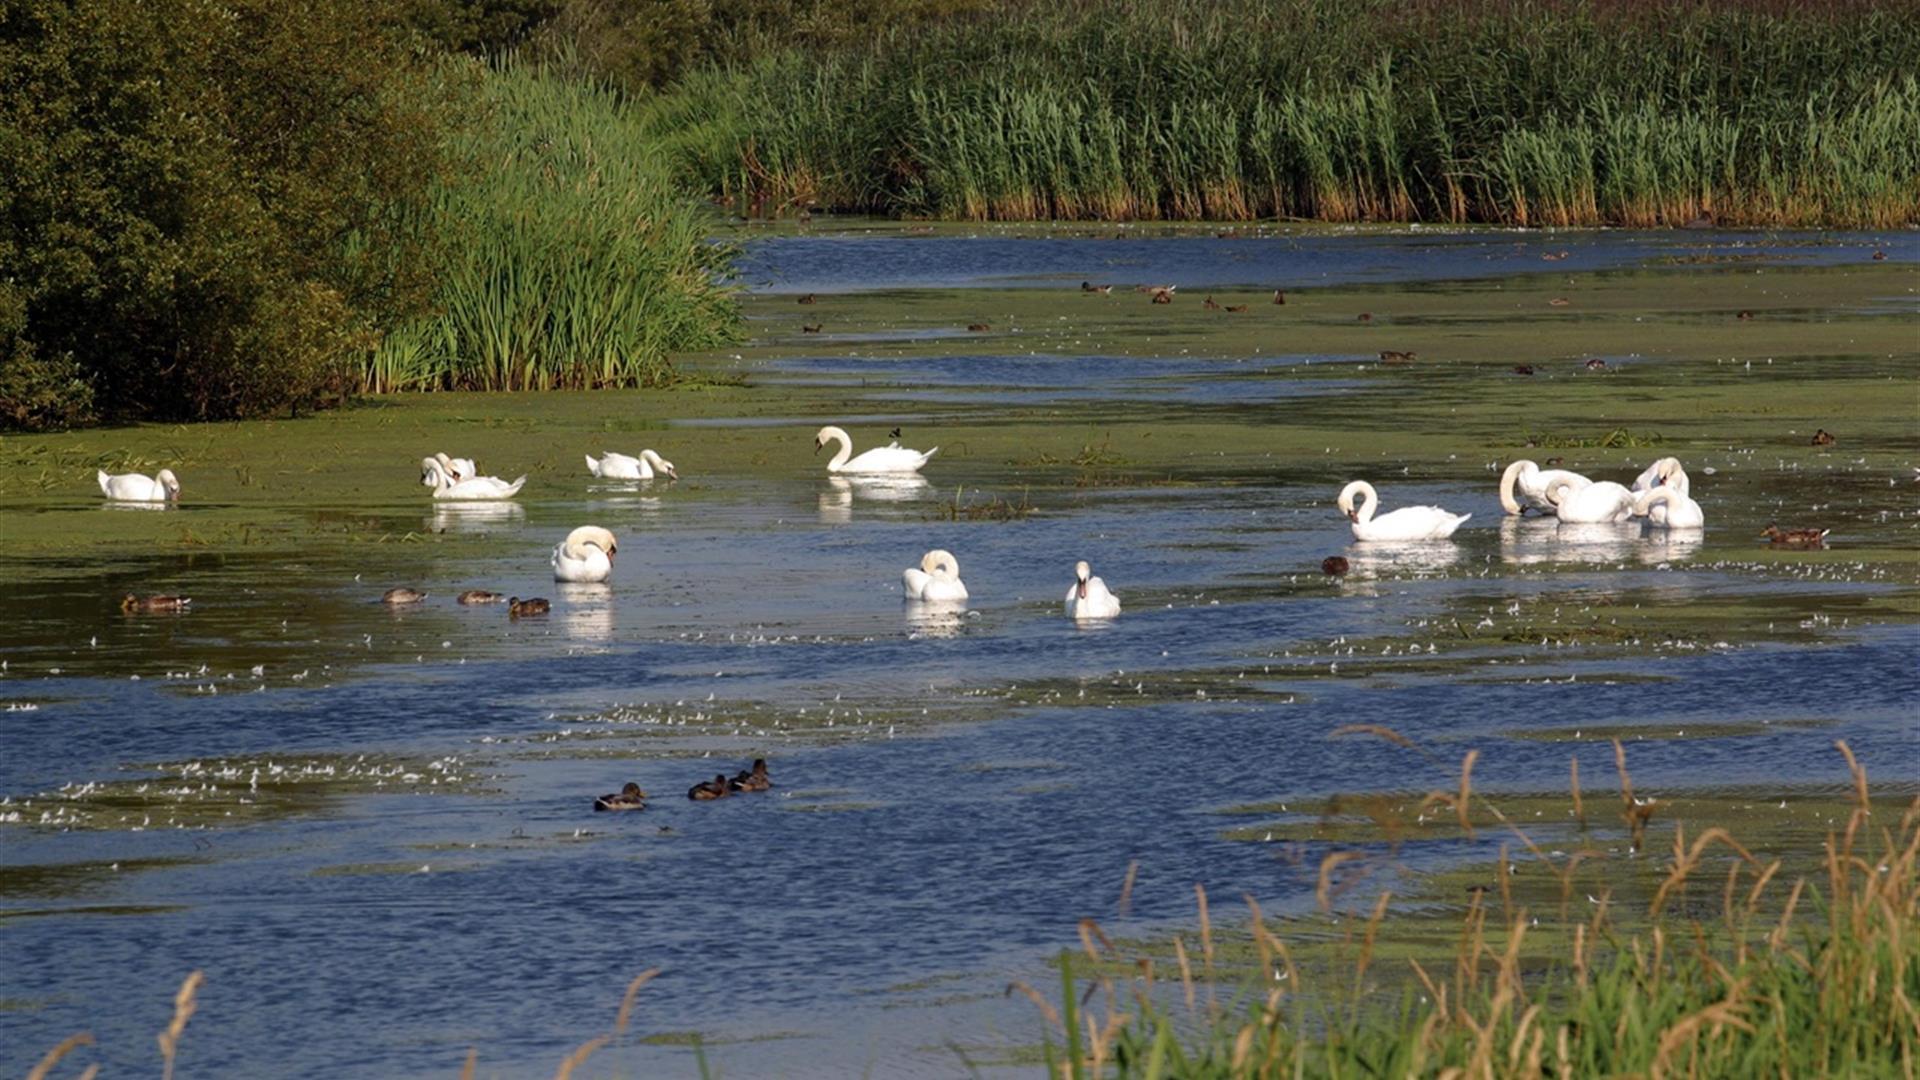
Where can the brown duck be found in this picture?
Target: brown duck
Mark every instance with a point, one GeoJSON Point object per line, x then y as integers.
{"type": "Point", "coordinates": [1823, 437]}
{"type": "Point", "coordinates": [153, 605]}
{"type": "Point", "coordinates": [1794, 537]}
{"type": "Point", "coordinates": [1335, 565]}
{"type": "Point", "coordinates": [979, 327]}
{"type": "Point", "coordinates": [809, 299]}
{"type": "Point", "coordinates": [1279, 297]}
{"type": "Point", "coordinates": [707, 790]}
{"type": "Point", "coordinates": [1236, 309]}
{"type": "Point", "coordinates": [479, 596]}
{"type": "Point", "coordinates": [402, 596]}
{"type": "Point", "coordinates": [627, 798]}
{"type": "Point", "coordinates": [519, 609]}
{"type": "Point", "coordinates": [810, 328]}
{"type": "Point", "coordinates": [1389, 356]}
{"type": "Point", "coordinates": [754, 779]}
{"type": "Point", "coordinates": [1210, 305]}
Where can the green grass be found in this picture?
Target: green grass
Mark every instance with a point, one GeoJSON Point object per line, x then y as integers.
{"type": "Point", "coordinates": [568, 260]}
{"type": "Point", "coordinates": [1509, 111]}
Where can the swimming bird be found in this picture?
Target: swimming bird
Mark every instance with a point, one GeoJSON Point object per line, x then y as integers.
{"type": "Point", "coordinates": [979, 327]}
{"type": "Point", "coordinates": [811, 328]}
{"type": "Point", "coordinates": [1678, 511]}
{"type": "Point", "coordinates": [1087, 597]}
{"type": "Point", "coordinates": [1795, 537]}
{"type": "Point", "coordinates": [1335, 565]}
{"type": "Point", "coordinates": [1389, 356]}
{"type": "Point", "coordinates": [440, 476]}
{"type": "Point", "coordinates": [1530, 483]}
{"type": "Point", "coordinates": [1090, 287]}
{"type": "Point", "coordinates": [1365, 316]}
{"type": "Point", "coordinates": [153, 605]}
{"type": "Point", "coordinates": [1236, 309]}
{"type": "Point", "coordinates": [1406, 523]}
{"type": "Point", "coordinates": [1523, 369]}
{"type": "Point", "coordinates": [402, 596]}
{"type": "Point", "coordinates": [1667, 473]}
{"type": "Point", "coordinates": [809, 298]}
{"type": "Point", "coordinates": [629, 797]}
{"type": "Point", "coordinates": [754, 779]}
{"type": "Point", "coordinates": [479, 596]}
{"type": "Point", "coordinates": [1597, 503]}
{"type": "Point", "coordinates": [1279, 296]}
{"type": "Point", "coordinates": [612, 466]}
{"type": "Point", "coordinates": [881, 459]}
{"type": "Point", "coordinates": [1559, 301]}
{"type": "Point", "coordinates": [1210, 305]}
{"type": "Point", "coordinates": [706, 790]}
{"type": "Point", "coordinates": [937, 578]}
{"type": "Point", "coordinates": [1822, 437]}
{"type": "Point", "coordinates": [519, 609]}
{"type": "Point", "coordinates": [1596, 364]}
{"type": "Point", "coordinates": [585, 555]}
{"type": "Point", "coordinates": [1163, 295]}
{"type": "Point", "coordinates": [462, 468]}
{"type": "Point", "coordinates": [132, 487]}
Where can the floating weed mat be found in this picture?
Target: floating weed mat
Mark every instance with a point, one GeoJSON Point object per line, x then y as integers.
{"type": "Point", "coordinates": [222, 792]}
{"type": "Point", "coordinates": [1717, 957]}
{"type": "Point", "coordinates": [991, 509]}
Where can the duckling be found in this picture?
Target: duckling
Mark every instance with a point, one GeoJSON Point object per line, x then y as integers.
{"type": "Point", "coordinates": [754, 779]}
{"type": "Point", "coordinates": [810, 328]}
{"type": "Point", "coordinates": [1210, 305]}
{"type": "Point", "coordinates": [1236, 309]}
{"type": "Point", "coordinates": [627, 798]}
{"type": "Point", "coordinates": [1823, 437]}
{"type": "Point", "coordinates": [1389, 356]}
{"type": "Point", "coordinates": [979, 327]}
{"type": "Point", "coordinates": [479, 596]}
{"type": "Point", "coordinates": [1795, 537]}
{"type": "Point", "coordinates": [518, 608]}
{"type": "Point", "coordinates": [707, 790]}
{"type": "Point", "coordinates": [402, 596]}
{"type": "Point", "coordinates": [809, 299]}
{"type": "Point", "coordinates": [1335, 565]}
{"type": "Point", "coordinates": [1279, 297]}
{"type": "Point", "coordinates": [152, 605]}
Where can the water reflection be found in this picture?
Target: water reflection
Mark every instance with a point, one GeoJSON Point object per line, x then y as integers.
{"type": "Point", "coordinates": [1530, 541]}
{"type": "Point", "coordinates": [936, 618]}
{"type": "Point", "coordinates": [836, 505]}
{"type": "Point", "coordinates": [1376, 558]}
{"type": "Point", "coordinates": [586, 611]}
{"type": "Point", "coordinates": [1667, 545]}
{"type": "Point", "coordinates": [474, 516]}
{"type": "Point", "coordinates": [111, 505]}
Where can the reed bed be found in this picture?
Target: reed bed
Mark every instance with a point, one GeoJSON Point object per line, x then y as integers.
{"type": "Point", "coordinates": [568, 260]}
{"type": "Point", "coordinates": [1733, 972]}
{"type": "Point", "coordinates": [1520, 112]}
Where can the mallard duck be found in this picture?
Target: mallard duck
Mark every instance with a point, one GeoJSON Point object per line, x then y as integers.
{"type": "Point", "coordinates": [627, 798]}
{"type": "Point", "coordinates": [1745, 316]}
{"type": "Point", "coordinates": [1090, 287]}
{"type": "Point", "coordinates": [479, 596]}
{"type": "Point", "coordinates": [979, 327]}
{"type": "Point", "coordinates": [1879, 256]}
{"type": "Point", "coordinates": [707, 790]}
{"type": "Point", "coordinates": [1795, 537]}
{"type": "Point", "coordinates": [402, 596]}
{"type": "Point", "coordinates": [1523, 369]}
{"type": "Point", "coordinates": [519, 609]}
{"type": "Point", "coordinates": [1236, 309]}
{"type": "Point", "coordinates": [1365, 316]}
{"type": "Point", "coordinates": [809, 298]}
{"type": "Point", "coordinates": [754, 779]}
{"type": "Point", "coordinates": [1596, 364]}
{"type": "Point", "coordinates": [1823, 437]}
{"type": "Point", "coordinates": [1210, 305]}
{"type": "Point", "coordinates": [152, 605]}
{"type": "Point", "coordinates": [1389, 356]}
{"type": "Point", "coordinates": [1559, 301]}
{"type": "Point", "coordinates": [810, 328]}
{"type": "Point", "coordinates": [1279, 296]}
{"type": "Point", "coordinates": [1334, 565]}
{"type": "Point", "coordinates": [1163, 296]}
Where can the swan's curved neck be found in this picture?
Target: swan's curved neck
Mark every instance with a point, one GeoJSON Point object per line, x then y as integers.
{"type": "Point", "coordinates": [440, 478]}
{"type": "Point", "coordinates": [846, 449]}
{"type": "Point", "coordinates": [1507, 480]}
{"type": "Point", "coordinates": [1661, 494]}
{"type": "Point", "coordinates": [652, 458]}
{"type": "Point", "coordinates": [1368, 502]}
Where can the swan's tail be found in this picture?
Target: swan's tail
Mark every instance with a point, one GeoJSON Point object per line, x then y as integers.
{"type": "Point", "coordinates": [514, 488]}
{"type": "Point", "coordinates": [102, 476]}
{"type": "Point", "coordinates": [593, 466]}
{"type": "Point", "coordinates": [928, 456]}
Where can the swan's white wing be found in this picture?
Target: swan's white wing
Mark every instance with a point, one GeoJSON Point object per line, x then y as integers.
{"type": "Point", "coordinates": [915, 581]}
{"type": "Point", "coordinates": [887, 459]}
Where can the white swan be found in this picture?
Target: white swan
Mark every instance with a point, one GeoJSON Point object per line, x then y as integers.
{"type": "Point", "coordinates": [1087, 597]}
{"type": "Point", "coordinates": [1532, 482]}
{"type": "Point", "coordinates": [1669, 473]}
{"type": "Point", "coordinates": [612, 466]}
{"type": "Point", "coordinates": [585, 555]}
{"type": "Point", "coordinates": [893, 458]}
{"type": "Point", "coordinates": [1649, 478]}
{"type": "Point", "coordinates": [1598, 503]}
{"type": "Point", "coordinates": [1406, 523]}
{"type": "Point", "coordinates": [936, 579]}
{"type": "Point", "coordinates": [436, 474]}
{"type": "Point", "coordinates": [132, 487]}
{"type": "Point", "coordinates": [1678, 512]}
{"type": "Point", "coordinates": [462, 468]}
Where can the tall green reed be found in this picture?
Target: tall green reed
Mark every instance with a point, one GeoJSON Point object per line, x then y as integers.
{"type": "Point", "coordinates": [568, 260]}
